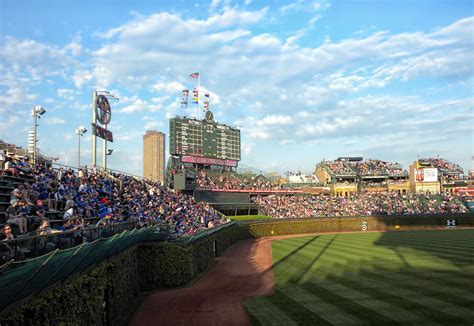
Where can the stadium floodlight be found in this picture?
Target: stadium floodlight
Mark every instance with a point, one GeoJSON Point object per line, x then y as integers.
{"type": "Point", "coordinates": [80, 131]}
{"type": "Point", "coordinates": [37, 112]}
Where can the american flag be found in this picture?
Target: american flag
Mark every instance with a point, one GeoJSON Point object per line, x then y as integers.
{"type": "Point", "coordinates": [194, 75]}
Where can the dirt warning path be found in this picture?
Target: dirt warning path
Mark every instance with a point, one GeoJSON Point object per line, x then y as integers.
{"type": "Point", "coordinates": [218, 297]}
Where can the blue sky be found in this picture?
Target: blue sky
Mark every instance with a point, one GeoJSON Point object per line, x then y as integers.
{"type": "Point", "coordinates": [305, 80]}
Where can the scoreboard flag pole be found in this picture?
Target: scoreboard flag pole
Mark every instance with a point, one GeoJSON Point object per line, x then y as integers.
{"type": "Point", "coordinates": [199, 104]}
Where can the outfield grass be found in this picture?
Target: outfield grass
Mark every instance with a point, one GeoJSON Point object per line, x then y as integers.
{"type": "Point", "coordinates": [248, 217]}
{"type": "Point", "coordinates": [416, 277]}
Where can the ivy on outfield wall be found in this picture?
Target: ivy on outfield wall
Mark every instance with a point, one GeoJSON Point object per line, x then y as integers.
{"type": "Point", "coordinates": [104, 294]}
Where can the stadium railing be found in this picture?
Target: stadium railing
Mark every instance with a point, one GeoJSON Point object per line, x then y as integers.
{"type": "Point", "coordinates": [33, 246]}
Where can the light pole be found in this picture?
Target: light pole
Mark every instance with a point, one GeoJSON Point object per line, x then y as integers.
{"type": "Point", "coordinates": [37, 112]}
{"type": "Point", "coordinates": [109, 152]}
{"type": "Point", "coordinates": [80, 131]}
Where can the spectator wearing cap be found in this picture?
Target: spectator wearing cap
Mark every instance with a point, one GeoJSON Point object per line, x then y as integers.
{"type": "Point", "coordinates": [15, 196]}
{"type": "Point", "coordinates": [14, 215]}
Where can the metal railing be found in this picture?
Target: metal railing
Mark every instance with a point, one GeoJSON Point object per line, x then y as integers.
{"type": "Point", "coordinates": [37, 245]}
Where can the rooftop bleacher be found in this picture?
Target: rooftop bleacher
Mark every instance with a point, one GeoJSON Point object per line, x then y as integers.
{"type": "Point", "coordinates": [338, 168]}
{"type": "Point", "coordinates": [443, 165]}
{"type": "Point", "coordinates": [377, 168]}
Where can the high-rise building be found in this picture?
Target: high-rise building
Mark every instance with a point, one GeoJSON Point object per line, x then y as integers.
{"type": "Point", "coordinates": [154, 156]}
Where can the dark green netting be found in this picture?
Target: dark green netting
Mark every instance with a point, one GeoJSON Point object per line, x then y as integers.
{"type": "Point", "coordinates": [96, 255]}
{"type": "Point", "coordinates": [16, 276]}
{"type": "Point", "coordinates": [70, 266]}
{"type": "Point", "coordinates": [19, 280]}
{"type": "Point", "coordinates": [35, 284]}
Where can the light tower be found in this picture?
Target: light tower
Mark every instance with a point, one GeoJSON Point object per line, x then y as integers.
{"type": "Point", "coordinates": [80, 131]}
{"type": "Point", "coordinates": [37, 112]}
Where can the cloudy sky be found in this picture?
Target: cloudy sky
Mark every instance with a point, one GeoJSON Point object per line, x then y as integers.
{"type": "Point", "coordinates": [304, 80]}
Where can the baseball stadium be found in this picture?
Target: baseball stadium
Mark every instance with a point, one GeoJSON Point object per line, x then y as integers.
{"type": "Point", "coordinates": [236, 162]}
{"type": "Point", "coordinates": [361, 241]}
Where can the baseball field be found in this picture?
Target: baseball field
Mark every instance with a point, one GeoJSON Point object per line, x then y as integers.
{"type": "Point", "coordinates": [416, 277]}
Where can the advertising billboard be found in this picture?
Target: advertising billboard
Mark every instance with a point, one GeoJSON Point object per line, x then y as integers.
{"type": "Point", "coordinates": [210, 161]}
{"type": "Point", "coordinates": [426, 175]}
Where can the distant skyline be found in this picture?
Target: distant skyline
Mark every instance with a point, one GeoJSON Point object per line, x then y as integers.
{"type": "Point", "coordinates": [304, 80]}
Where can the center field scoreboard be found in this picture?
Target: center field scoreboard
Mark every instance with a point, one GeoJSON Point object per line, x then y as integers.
{"type": "Point", "coordinates": [190, 137]}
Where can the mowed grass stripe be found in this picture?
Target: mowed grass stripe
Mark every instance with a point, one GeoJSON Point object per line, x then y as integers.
{"type": "Point", "coordinates": [264, 312]}
{"type": "Point", "coordinates": [346, 278]}
{"type": "Point", "coordinates": [457, 278]}
{"type": "Point", "coordinates": [462, 242]}
{"type": "Point", "coordinates": [336, 254]}
{"type": "Point", "coordinates": [430, 308]}
{"type": "Point", "coordinates": [384, 310]}
{"type": "Point", "coordinates": [297, 312]}
{"type": "Point", "coordinates": [414, 243]}
{"type": "Point", "coordinates": [398, 298]}
{"type": "Point", "coordinates": [419, 253]}
{"type": "Point", "coordinates": [447, 233]}
{"type": "Point", "coordinates": [374, 312]}
{"type": "Point", "coordinates": [447, 251]}
{"type": "Point", "coordinates": [455, 295]}
{"type": "Point", "coordinates": [326, 310]}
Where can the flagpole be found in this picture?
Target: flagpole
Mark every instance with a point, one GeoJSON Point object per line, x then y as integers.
{"type": "Point", "coordinates": [199, 86]}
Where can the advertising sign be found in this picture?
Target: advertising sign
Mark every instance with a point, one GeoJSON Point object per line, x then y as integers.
{"type": "Point", "coordinates": [102, 133]}
{"type": "Point", "coordinates": [426, 175]}
{"type": "Point", "coordinates": [430, 175]}
{"type": "Point", "coordinates": [102, 110]}
{"type": "Point", "coordinates": [210, 161]}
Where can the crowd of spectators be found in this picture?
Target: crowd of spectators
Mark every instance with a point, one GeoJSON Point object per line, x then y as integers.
{"type": "Point", "coordinates": [386, 203]}
{"type": "Point", "coordinates": [443, 165]}
{"type": "Point", "coordinates": [378, 168]}
{"type": "Point", "coordinates": [233, 180]}
{"type": "Point", "coordinates": [87, 198]}
{"type": "Point", "coordinates": [339, 168]}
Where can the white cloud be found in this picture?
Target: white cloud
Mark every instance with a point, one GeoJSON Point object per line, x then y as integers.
{"type": "Point", "coordinates": [272, 120]}
{"type": "Point", "coordinates": [65, 93]}
{"type": "Point", "coordinates": [138, 105]}
{"type": "Point", "coordinates": [54, 121]}
{"type": "Point", "coordinates": [168, 88]}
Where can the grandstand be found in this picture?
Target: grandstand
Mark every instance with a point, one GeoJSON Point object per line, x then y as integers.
{"type": "Point", "coordinates": [436, 175]}
{"type": "Point", "coordinates": [350, 175]}
{"type": "Point", "coordinates": [63, 207]}
{"type": "Point", "coordinates": [338, 175]}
